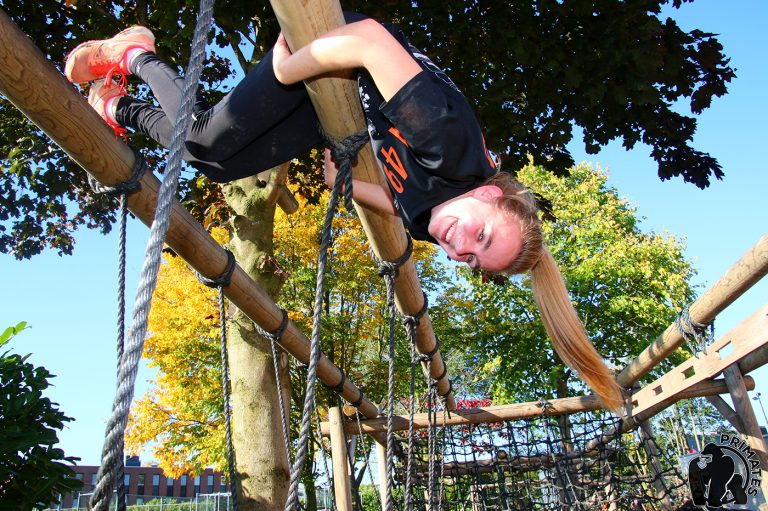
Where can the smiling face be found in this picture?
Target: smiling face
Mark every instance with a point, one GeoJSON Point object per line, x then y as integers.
{"type": "Point", "coordinates": [470, 228]}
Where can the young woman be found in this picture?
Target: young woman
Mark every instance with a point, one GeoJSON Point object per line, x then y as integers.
{"type": "Point", "coordinates": [441, 179]}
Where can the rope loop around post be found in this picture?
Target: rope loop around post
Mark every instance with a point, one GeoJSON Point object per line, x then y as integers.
{"type": "Point", "coordinates": [339, 387]}
{"type": "Point", "coordinates": [344, 153]}
{"type": "Point", "coordinates": [277, 333]}
{"type": "Point", "coordinates": [698, 335]}
{"type": "Point", "coordinates": [225, 278]}
{"type": "Point", "coordinates": [127, 187]}
{"type": "Point", "coordinates": [392, 268]}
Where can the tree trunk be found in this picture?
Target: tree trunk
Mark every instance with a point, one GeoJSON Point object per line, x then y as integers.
{"type": "Point", "coordinates": [262, 463]}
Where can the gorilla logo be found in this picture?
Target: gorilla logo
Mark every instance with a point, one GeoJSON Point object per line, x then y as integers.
{"type": "Point", "coordinates": [714, 480]}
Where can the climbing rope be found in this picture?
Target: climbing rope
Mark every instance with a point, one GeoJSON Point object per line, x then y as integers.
{"type": "Point", "coordinates": [112, 451]}
{"type": "Point", "coordinates": [122, 190]}
{"type": "Point", "coordinates": [388, 270]}
{"type": "Point", "coordinates": [274, 337]}
{"type": "Point", "coordinates": [344, 152]}
{"type": "Point", "coordinates": [220, 283]}
{"type": "Point", "coordinates": [411, 325]}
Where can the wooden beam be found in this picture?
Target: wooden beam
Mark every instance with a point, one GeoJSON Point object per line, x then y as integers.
{"type": "Point", "coordinates": [337, 104]}
{"type": "Point", "coordinates": [41, 93]}
{"type": "Point", "coordinates": [747, 271]}
{"type": "Point", "coordinates": [341, 483]}
{"type": "Point", "coordinates": [490, 414]}
{"type": "Point", "coordinates": [742, 340]}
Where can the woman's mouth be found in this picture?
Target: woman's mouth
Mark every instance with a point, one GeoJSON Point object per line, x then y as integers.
{"type": "Point", "coordinates": [448, 235]}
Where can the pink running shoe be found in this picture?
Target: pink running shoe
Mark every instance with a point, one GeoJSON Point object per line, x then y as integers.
{"type": "Point", "coordinates": [98, 97]}
{"type": "Point", "coordinates": [101, 59]}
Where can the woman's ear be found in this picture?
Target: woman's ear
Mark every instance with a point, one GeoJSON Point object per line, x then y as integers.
{"type": "Point", "coordinates": [487, 193]}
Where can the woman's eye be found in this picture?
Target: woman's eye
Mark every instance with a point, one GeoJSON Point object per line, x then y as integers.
{"type": "Point", "coordinates": [481, 236]}
{"type": "Point", "coordinates": [470, 260]}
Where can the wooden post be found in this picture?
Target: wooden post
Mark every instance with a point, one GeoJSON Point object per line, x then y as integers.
{"type": "Point", "coordinates": [652, 453]}
{"type": "Point", "coordinates": [381, 461]}
{"type": "Point", "coordinates": [752, 433]}
{"type": "Point", "coordinates": [341, 483]}
{"type": "Point", "coordinates": [41, 93]}
{"type": "Point", "coordinates": [338, 107]}
{"type": "Point", "coordinates": [748, 270]}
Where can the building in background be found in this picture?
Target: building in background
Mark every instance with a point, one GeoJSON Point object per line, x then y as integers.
{"type": "Point", "coordinates": [144, 484]}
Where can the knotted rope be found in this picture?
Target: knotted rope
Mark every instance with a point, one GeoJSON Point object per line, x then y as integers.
{"type": "Point", "coordinates": [344, 152]}
{"type": "Point", "coordinates": [220, 283]}
{"type": "Point", "coordinates": [122, 190]}
{"type": "Point", "coordinates": [389, 270]}
{"type": "Point", "coordinates": [698, 335]}
{"type": "Point", "coordinates": [112, 451]}
{"type": "Point", "coordinates": [274, 338]}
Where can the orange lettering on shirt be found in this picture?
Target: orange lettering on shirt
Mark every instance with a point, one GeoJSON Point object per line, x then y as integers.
{"type": "Point", "coordinates": [398, 135]}
{"type": "Point", "coordinates": [393, 163]}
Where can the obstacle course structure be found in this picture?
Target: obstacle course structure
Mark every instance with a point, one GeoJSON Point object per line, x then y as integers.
{"type": "Point", "coordinates": [576, 470]}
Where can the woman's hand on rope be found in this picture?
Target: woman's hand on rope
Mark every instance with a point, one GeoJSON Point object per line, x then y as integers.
{"type": "Point", "coordinates": [330, 169]}
{"type": "Point", "coordinates": [371, 195]}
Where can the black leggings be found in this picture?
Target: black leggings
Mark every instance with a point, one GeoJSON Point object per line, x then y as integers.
{"type": "Point", "coordinates": [259, 124]}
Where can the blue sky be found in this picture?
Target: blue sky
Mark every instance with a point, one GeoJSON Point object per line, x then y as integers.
{"type": "Point", "coordinates": [70, 302]}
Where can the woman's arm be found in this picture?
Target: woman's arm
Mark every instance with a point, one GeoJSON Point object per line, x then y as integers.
{"type": "Point", "coordinates": [364, 44]}
{"type": "Point", "coordinates": [374, 196]}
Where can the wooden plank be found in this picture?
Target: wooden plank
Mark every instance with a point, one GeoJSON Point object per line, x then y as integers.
{"type": "Point", "coordinates": [742, 340]}
{"type": "Point", "coordinates": [747, 271]}
{"type": "Point", "coordinates": [338, 107]}
{"type": "Point", "coordinates": [30, 82]}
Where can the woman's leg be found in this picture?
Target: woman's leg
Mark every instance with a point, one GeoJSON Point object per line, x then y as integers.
{"type": "Point", "coordinates": [254, 109]}
{"type": "Point", "coordinates": [295, 135]}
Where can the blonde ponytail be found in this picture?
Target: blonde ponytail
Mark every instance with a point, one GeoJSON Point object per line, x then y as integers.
{"type": "Point", "coordinates": [567, 332]}
{"type": "Point", "coordinates": [557, 313]}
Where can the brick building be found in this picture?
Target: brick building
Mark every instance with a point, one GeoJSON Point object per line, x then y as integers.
{"type": "Point", "coordinates": [144, 484]}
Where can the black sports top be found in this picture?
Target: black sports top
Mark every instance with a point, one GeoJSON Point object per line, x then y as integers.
{"type": "Point", "coordinates": [427, 141]}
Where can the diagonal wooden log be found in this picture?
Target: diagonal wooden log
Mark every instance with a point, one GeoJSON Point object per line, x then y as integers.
{"type": "Point", "coordinates": [337, 105]}
{"type": "Point", "coordinates": [40, 92]}
{"type": "Point", "coordinates": [747, 271]}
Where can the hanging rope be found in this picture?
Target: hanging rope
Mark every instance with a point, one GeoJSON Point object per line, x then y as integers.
{"type": "Point", "coordinates": [122, 190]}
{"type": "Point", "coordinates": [220, 283]}
{"type": "Point", "coordinates": [274, 337]}
{"type": "Point", "coordinates": [344, 152]}
{"type": "Point", "coordinates": [388, 270]}
{"type": "Point", "coordinates": [111, 453]}
{"type": "Point", "coordinates": [411, 325]}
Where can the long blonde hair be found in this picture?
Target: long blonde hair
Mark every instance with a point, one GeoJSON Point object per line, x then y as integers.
{"type": "Point", "coordinates": [560, 319]}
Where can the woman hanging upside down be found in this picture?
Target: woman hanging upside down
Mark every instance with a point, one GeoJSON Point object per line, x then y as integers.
{"type": "Point", "coordinates": [441, 179]}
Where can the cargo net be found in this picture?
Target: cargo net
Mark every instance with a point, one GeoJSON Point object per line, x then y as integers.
{"type": "Point", "coordinates": [564, 462]}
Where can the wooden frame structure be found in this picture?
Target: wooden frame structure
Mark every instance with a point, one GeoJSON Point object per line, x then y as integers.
{"type": "Point", "coordinates": [747, 350]}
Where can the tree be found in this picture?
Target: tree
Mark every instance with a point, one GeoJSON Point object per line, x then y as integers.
{"type": "Point", "coordinates": [626, 285]}
{"type": "Point", "coordinates": [33, 471]}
